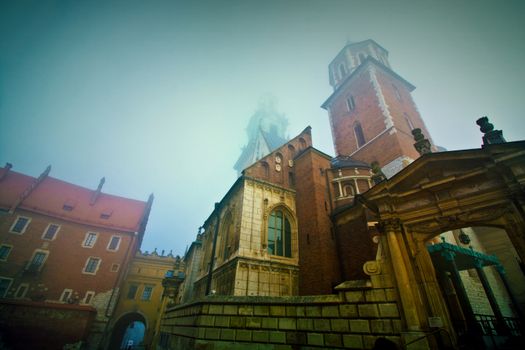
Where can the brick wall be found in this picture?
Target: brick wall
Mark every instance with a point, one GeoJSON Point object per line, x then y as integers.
{"type": "Point", "coordinates": [318, 260]}
{"type": "Point", "coordinates": [353, 319]}
{"type": "Point", "coordinates": [34, 325]}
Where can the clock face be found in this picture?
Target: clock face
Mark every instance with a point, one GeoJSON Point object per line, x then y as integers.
{"type": "Point", "coordinates": [290, 163]}
{"type": "Point", "coordinates": [278, 167]}
{"type": "Point", "coordinates": [278, 159]}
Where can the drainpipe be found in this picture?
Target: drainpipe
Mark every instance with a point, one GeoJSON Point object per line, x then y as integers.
{"type": "Point", "coordinates": [213, 248]}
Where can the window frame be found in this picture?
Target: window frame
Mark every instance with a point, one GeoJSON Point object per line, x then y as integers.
{"type": "Point", "coordinates": [66, 292]}
{"type": "Point", "coordinates": [54, 234]}
{"type": "Point", "coordinates": [112, 269]}
{"type": "Point", "coordinates": [85, 241]}
{"type": "Point", "coordinates": [360, 138]}
{"type": "Point", "coordinates": [135, 290]}
{"type": "Point", "coordinates": [149, 287]}
{"type": "Point", "coordinates": [8, 285]}
{"type": "Point", "coordinates": [41, 265]}
{"type": "Point", "coordinates": [108, 248]}
{"type": "Point", "coordinates": [97, 266]}
{"type": "Point", "coordinates": [10, 249]}
{"type": "Point", "coordinates": [286, 232]}
{"type": "Point", "coordinates": [350, 103]}
{"type": "Point", "coordinates": [91, 294]}
{"type": "Point", "coordinates": [24, 229]}
{"type": "Point", "coordinates": [20, 286]}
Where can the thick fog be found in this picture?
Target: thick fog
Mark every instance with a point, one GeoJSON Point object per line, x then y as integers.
{"type": "Point", "coordinates": [156, 95]}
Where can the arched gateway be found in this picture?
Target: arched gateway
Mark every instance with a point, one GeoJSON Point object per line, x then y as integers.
{"type": "Point", "coordinates": [440, 192]}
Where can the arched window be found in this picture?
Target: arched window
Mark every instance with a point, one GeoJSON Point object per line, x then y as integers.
{"type": "Point", "coordinates": [348, 190]}
{"type": "Point", "coordinates": [342, 70]}
{"type": "Point", "coordinates": [359, 136]}
{"type": "Point", "coordinates": [228, 238]}
{"type": "Point", "coordinates": [291, 151]}
{"type": "Point", "coordinates": [409, 122]}
{"type": "Point", "coordinates": [279, 234]}
{"type": "Point", "coordinates": [350, 103]}
{"type": "Point", "coordinates": [396, 92]}
{"type": "Point", "coordinates": [266, 169]}
{"type": "Point", "coordinates": [302, 143]}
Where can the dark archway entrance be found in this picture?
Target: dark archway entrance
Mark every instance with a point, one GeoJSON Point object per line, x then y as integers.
{"type": "Point", "coordinates": [129, 326]}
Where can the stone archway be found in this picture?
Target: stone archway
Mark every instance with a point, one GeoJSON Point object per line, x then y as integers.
{"type": "Point", "coordinates": [120, 327]}
{"type": "Point", "coordinates": [437, 193]}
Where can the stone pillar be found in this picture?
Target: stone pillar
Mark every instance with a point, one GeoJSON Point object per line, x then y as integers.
{"type": "Point", "coordinates": [434, 295]}
{"type": "Point", "coordinates": [501, 327]}
{"type": "Point", "coordinates": [503, 276]}
{"type": "Point", "coordinates": [468, 312]}
{"type": "Point", "coordinates": [392, 230]}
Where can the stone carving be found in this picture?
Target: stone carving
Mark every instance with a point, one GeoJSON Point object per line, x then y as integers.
{"type": "Point", "coordinates": [491, 136]}
{"type": "Point", "coordinates": [372, 267]}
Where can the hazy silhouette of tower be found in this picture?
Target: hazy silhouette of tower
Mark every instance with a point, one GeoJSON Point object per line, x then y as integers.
{"type": "Point", "coordinates": [266, 131]}
{"type": "Point", "coordinates": [371, 110]}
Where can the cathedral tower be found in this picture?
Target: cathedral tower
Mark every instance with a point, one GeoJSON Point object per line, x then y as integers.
{"type": "Point", "coordinates": [266, 132]}
{"type": "Point", "coordinates": [371, 110]}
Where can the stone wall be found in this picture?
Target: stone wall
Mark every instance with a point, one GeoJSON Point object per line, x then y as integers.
{"type": "Point", "coordinates": [353, 319]}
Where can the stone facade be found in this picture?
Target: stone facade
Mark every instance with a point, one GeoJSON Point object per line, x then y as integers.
{"type": "Point", "coordinates": [352, 319]}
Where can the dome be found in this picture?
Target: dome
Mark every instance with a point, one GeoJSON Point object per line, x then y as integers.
{"type": "Point", "coordinates": [348, 162]}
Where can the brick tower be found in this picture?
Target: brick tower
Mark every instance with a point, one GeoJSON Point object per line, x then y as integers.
{"type": "Point", "coordinates": [371, 110]}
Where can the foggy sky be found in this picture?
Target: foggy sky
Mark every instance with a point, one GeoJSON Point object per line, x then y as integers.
{"type": "Point", "coordinates": [156, 95]}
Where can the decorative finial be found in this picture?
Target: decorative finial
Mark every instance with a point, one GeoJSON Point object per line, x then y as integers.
{"type": "Point", "coordinates": [491, 136]}
{"type": "Point", "coordinates": [422, 145]}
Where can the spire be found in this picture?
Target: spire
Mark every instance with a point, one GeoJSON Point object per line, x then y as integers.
{"type": "Point", "coordinates": [96, 193]}
{"type": "Point", "coordinates": [491, 136]}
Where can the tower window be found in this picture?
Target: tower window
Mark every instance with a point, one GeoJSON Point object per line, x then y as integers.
{"type": "Point", "coordinates": [409, 122]}
{"type": "Point", "coordinates": [350, 103]}
{"type": "Point", "coordinates": [342, 70]}
{"type": "Point", "coordinates": [279, 234]}
{"type": "Point", "coordinates": [396, 92]}
{"type": "Point", "coordinates": [359, 136]}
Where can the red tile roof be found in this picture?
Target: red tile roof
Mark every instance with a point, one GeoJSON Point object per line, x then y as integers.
{"type": "Point", "coordinates": [49, 197]}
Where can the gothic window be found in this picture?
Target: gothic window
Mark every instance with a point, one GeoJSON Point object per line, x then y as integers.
{"type": "Point", "coordinates": [266, 169]}
{"type": "Point", "coordinates": [350, 103]}
{"type": "Point", "coordinates": [229, 245]}
{"type": "Point", "coordinates": [396, 92]}
{"type": "Point", "coordinates": [359, 136]}
{"type": "Point", "coordinates": [291, 151]}
{"type": "Point", "coordinates": [302, 143]}
{"type": "Point", "coordinates": [279, 234]}
{"type": "Point", "coordinates": [291, 179]}
{"type": "Point", "coordinates": [342, 70]}
{"type": "Point", "coordinates": [409, 122]}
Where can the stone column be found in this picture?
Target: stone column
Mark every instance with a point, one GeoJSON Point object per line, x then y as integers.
{"type": "Point", "coordinates": [434, 295]}
{"type": "Point", "coordinates": [392, 229]}
{"type": "Point", "coordinates": [472, 324]}
{"type": "Point", "coordinates": [501, 327]}
{"type": "Point", "coordinates": [503, 276]}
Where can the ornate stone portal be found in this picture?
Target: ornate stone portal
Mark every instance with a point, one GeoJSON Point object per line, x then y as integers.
{"type": "Point", "coordinates": [437, 193]}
